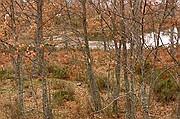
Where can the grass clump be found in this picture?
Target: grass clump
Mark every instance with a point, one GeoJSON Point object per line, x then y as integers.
{"type": "Point", "coordinates": [147, 67]}
{"type": "Point", "coordinates": [101, 80]}
{"type": "Point", "coordinates": [64, 91]}
{"type": "Point", "coordinates": [58, 21]}
{"type": "Point", "coordinates": [59, 72]}
{"type": "Point", "coordinates": [61, 95]}
{"type": "Point", "coordinates": [166, 90]}
{"type": "Point", "coordinates": [147, 71]}
{"type": "Point", "coordinates": [6, 74]}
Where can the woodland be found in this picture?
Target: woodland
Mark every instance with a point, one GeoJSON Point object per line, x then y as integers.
{"type": "Point", "coordinates": [89, 59]}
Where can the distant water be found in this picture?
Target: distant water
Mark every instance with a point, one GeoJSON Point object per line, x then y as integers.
{"type": "Point", "coordinates": [150, 40]}
{"type": "Point", "coordinates": [164, 39]}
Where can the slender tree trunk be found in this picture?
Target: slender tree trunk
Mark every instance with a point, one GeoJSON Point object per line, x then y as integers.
{"type": "Point", "coordinates": [109, 74]}
{"type": "Point", "coordinates": [134, 42]}
{"type": "Point", "coordinates": [178, 38]}
{"type": "Point", "coordinates": [173, 15]}
{"type": "Point", "coordinates": [17, 61]}
{"type": "Point", "coordinates": [125, 63]}
{"type": "Point", "coordinates": [94, 90]}
{"type": "Point", "coordinates": [45, 101]}
{"type": "Point", "coordinates": [142, 62]}
{"type": "Point", "coordinates": [35, 97]}
{"type": "Point", "coordinates": [126, 82]}
{"type": "Point", "coordinates": [177, 46]}
{"type": "Point", "coordinates": [35, 71]}
{"type": "Point", "coordinates": [133, 108]}
{"type": "Point", "coordinates": [117, 74]}
{"type": "Point", "coordinates": [117, 44]}
{"type": "Point", "coordinates": [101, 24]}
{"type": "Point", "coordinates": [178, 111]}
{"type": "Point", "coordinates": [13, 24]}
{"type": "Point", "coordinates": [103, 34]}
{"type": "Point", "coordinates": [20, 82]}
{"type": "Point", "coordinates": [137, 28]}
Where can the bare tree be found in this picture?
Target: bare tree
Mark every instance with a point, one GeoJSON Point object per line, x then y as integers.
{"type": "Point", "coordinates": [42, 65]}
{"type": "Point", "coordinates": [142, 62]}
{"type": "Point", "coordinates": [94, 91]}
{"type": "Point", "coordinates": [173, 15]}
{"type": "Point", "coordinates": [100, 6]}
{"type": "Point", "coordinates": [16, 53]}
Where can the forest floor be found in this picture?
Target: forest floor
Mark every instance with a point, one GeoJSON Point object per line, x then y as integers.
{"type": "Point", "coordinates": [75, 81]}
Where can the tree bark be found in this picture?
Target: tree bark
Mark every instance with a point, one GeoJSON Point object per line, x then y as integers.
{"type": "Point", "coordinates": [178, 111]}
{"type": "Point", "coordinates": [20, 82]}
{"type": "Point", "coordinates": [101, 23]}
{"type": "Point", "coordinates": [142, 62]}
{"type": "Point", "coordinates": [173, 15]}
{"type": "Point", "coordinates": [135, 42]}
{"type": "Point", "coordinates": [117, 43]}
{"type": "Point", "coordinates": [124, 61]}
{"type": "Point", "coordinates": [17, 61]}
{"type": "Point", "coordinates": [178, 38]}
{"type": "Point", "coordinates": [94, 90]}
{"type": "Point", "coordinates": [45, 101]}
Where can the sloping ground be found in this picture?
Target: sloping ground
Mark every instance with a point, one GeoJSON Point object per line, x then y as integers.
{"type": "Point", "coordinates": [80, 107]}
{"type": "Point", "coordinates": [164, 56]}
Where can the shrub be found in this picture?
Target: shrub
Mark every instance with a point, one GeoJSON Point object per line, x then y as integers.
{"type": "Point", "coordinates": [58, 21]}
{"type": "Point", "coordinates": [3, 73]}
{"type": "Point", "coordinates": [59, 72]}
{"type": "Point", "coordinates": [6, 74]}
{"type": "Point", "coordinates": [147, 72]}
{"type": "Point", "coordinates": [61, 95]}
{"type": "Point", "coordinates": [64, 90]}
{"type": "Point", "coordinates": [101, 80]}
{"type": "Point", "coordinates": [166, 90]}
{"type": "Point", "coordinates": [147, 67]}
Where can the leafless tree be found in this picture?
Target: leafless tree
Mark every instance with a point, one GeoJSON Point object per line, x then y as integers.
{"type": "Point", "coordinates": [94, 91]}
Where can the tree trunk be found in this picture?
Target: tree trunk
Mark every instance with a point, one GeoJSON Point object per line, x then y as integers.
{"type": "Point", "coordinates": [117, 74]}
{"type": "Point", "coordinates": [173, 15]}
{"type": "Point", "coordinates": [135, 42]}
{"type": "Point", "coordinates": [101, 24]}
{"type": "Point", "coordinates": [20, 82]}
{"type": "Point", "coordinates": [45, 101]}
{"type": "Point", "coordinates": [17, 61]}
{"type": "Point", "coordinates": [118, 60]}
{"type": "Point", "coordinates": [94, 90]}
{"type": "Point", "coordinates": [178, 111]}
{"type": "Point", "coordinates": [142, 62]}
{"type": "Point", "coordinates": [125, 66]}
{"type": "Point", "coordinates": [178, 38]}
{"type": "Point", "coordinates": [103, 34]}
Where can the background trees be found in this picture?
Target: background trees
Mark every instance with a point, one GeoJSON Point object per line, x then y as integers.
{"type": "Point", "coordinates": [49, 39]}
